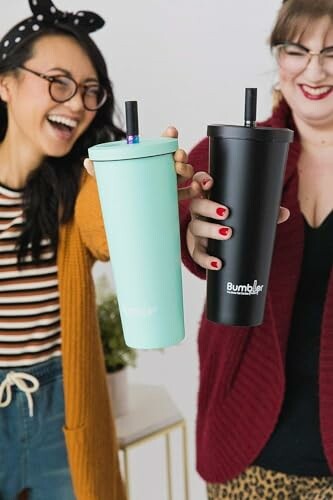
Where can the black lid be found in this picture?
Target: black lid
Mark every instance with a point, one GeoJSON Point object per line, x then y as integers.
{"type": "Point", "coordinates": [262, 134]}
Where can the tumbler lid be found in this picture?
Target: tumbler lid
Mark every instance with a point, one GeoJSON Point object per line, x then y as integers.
{"type": "Point", "coordinates": [261, 134]}
{"type": "Point", "coordinates": [120, 150]}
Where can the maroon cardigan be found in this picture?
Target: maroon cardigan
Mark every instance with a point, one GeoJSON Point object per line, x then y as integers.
{"type": "Point", "coordinates": [242, 370]}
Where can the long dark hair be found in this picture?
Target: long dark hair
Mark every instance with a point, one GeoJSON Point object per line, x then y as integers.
{"type": "Point", "coordinates": [51, 190]}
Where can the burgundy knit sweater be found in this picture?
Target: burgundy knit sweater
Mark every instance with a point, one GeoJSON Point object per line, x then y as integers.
{"type": "Point", "coordinates": [242, 370]}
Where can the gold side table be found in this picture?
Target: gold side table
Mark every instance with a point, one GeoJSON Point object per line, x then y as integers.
{"type": "Point", "coordinates": [152, 414]}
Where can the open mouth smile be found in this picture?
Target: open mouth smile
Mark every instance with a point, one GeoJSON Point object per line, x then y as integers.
{"type": "Point", "coordinates": [62, 125]}
{"type": "Point", "coordinates": [316, 93]}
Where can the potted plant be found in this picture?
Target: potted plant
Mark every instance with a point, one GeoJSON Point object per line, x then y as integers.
{"type": "Point", "coordinates": [117, 354]}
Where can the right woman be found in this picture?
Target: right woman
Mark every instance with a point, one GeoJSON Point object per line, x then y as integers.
{"type": "Point", "coordinates": [265, 409]}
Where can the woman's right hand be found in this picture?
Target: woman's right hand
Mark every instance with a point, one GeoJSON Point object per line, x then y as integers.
{"type": "Point", "coordinates": [199, 229]}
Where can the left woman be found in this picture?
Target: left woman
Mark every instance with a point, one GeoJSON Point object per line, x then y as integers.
{"type": "Point", "coordinates": [56, 429]}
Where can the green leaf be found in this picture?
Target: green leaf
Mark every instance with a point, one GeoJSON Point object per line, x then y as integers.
{"type": "Point", "coordinates": [116, 353]}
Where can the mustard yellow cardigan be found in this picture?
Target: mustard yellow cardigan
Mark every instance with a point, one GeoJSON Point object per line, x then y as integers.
{"type": "Point", "coordinates": [89, 428]}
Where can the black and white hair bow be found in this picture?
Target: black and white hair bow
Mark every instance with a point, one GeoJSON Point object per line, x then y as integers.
{"type": "Point", "coordinates": [45, 14]}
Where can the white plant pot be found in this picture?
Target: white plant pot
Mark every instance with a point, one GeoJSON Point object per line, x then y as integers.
{"type": "Point", "coordinates": [118, 392]}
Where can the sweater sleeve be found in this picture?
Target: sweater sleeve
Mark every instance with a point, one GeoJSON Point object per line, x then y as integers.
{"type": "Point", "coordinates": [88, 217]}
{"type": "Point", "coordinates": [198, 158]}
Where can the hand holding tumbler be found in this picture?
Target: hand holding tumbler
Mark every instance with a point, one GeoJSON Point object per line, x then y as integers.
{"type": "Point", "coordinates": [247, 164]}
{"type": "Point", "coordinates": [137, 186]}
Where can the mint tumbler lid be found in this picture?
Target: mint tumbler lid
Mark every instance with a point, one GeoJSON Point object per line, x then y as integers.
{"type": "Point", "coordinates": [120, 150]}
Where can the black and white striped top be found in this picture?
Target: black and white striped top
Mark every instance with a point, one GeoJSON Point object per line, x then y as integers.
{"type": "Point", "coordinates": [29, 297]}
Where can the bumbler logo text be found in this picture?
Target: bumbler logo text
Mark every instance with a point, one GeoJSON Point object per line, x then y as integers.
{"type": "Point", "coordinates": [247, 289]}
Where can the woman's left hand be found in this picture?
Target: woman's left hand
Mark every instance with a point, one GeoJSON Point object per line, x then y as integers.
{"type": "Point", "coordinates": [183, 169]}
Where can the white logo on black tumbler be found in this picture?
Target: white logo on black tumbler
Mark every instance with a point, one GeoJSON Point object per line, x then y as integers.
{"type": "Point", "coordinates": [247, 164]}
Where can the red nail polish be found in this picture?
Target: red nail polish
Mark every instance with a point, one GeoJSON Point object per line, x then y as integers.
{"type": "Point", "coordinates": [214, 264]}
{"type": "Point", "coordinates": [224, 231]}
{"type": "Point", "coordinates": [220, 211]}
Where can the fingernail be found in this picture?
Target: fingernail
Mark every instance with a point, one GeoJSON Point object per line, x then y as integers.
{"type": "Point", "coordinates": [205, 181]}
{"type": "Point", "coordinates": [214, 264]}
{"type": "Point", "coordinates": [220, 211]}
{"type": "Point", "coordinates": [224, 231]}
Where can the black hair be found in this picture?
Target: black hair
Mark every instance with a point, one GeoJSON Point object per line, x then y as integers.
{"type": "Point", "coordinates": [51, 190]}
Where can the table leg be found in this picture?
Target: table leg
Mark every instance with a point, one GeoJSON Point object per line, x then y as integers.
{"type": "Point", "coordinates": [168, 460]}
{"type": "Point", "coordinates": [126, 472]}
{"type": "Point", "coordinates": [185, 464]}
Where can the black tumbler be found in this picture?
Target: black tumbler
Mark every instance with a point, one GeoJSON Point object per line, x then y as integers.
{"type": "Point", "coordinates": [247, 164]}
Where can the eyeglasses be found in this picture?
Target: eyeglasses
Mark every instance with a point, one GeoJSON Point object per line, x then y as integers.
{"type": "Point", "coordinates": [62, 88]}
{"type": "Point", "coordinates": [294, 57]}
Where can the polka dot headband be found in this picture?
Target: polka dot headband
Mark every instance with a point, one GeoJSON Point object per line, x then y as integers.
{"type": "Point", "coordinates": [45, 14]}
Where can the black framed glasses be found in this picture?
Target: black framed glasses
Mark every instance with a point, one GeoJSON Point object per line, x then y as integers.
{"type": "Point", "coordinates": [62, 88]}
{"type": "Point", "coordinates": [294, 57]}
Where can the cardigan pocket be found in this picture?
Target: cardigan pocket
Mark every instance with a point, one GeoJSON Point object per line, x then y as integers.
{"type": "Point", "coordinates": [221, 355]}
{"type": "Point", "coordinates": [74, 436]}
{"type": "Point", "coordinates": [94, 477]}
{"type": "Point", "coordinates": [77, 447]}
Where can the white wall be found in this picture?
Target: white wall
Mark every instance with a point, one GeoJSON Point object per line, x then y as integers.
{"type": "Point", "coordinates": [187, 62]}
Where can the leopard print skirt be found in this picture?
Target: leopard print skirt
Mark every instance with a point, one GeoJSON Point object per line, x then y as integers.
{"type": "Point", "coordinates": [257, 482]}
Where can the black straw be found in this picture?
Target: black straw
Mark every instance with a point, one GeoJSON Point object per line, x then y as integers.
{"type": "Point", "coordinates": [132, 120]}
{"type": "Point", "coordinates": [250, 107]}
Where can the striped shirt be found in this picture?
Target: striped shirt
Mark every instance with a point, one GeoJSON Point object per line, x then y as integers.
{"type": "Point", "coordinates": [29, 297]}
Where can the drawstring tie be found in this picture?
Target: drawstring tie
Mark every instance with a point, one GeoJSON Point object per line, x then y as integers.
{"type": "Point", "coordinates": [20, 380]}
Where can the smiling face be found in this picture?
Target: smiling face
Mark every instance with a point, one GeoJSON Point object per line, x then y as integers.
{"type": "Point", "coordinates": [35, 120]}
{"type": "Point", "coordinates": [309, 92]}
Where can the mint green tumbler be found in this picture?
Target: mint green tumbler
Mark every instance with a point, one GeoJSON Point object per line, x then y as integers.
{"type": "Point", "coordinates": [137, 188]}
